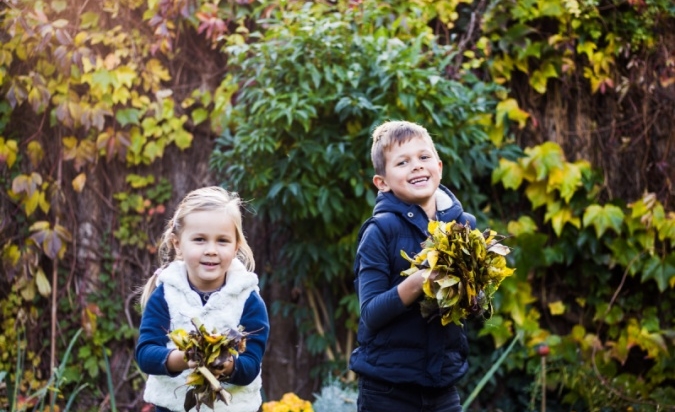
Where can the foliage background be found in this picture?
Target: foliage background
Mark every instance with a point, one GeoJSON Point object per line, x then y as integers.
{"type": "Point", "coordinates": [554, 120]}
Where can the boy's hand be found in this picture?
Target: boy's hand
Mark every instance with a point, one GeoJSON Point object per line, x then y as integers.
{"type": "Point", "coordinates": [433, 275]}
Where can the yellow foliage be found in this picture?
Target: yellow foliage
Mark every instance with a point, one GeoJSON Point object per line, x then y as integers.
{"type": "Point", "coordinates": [290, 402]}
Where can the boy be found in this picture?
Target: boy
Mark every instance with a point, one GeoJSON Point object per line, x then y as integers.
{"type": "Point", "coordinates": [405, 362]}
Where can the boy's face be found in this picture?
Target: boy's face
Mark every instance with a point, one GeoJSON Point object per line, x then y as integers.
{"type": "Point", "coordinates": [412, 173]}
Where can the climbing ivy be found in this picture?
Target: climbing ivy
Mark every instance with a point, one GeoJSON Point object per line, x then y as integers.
{"type": "Point", "coordinates": [605, 270]}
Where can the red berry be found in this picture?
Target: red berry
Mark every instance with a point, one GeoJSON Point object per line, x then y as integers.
{"type": "Point", "coordinates": [543, 350]}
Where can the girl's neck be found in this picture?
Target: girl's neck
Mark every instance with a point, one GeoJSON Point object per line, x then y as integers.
{"type": "Point", "coordinates": [205, 295]}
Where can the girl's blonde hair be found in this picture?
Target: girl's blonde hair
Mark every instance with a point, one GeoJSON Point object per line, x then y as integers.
{"type": "Point", "coordinates": [205, 199]}
{"type": "Point", "coordinates": [394, 131]}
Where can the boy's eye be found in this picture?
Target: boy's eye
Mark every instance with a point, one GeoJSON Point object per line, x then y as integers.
{"type": "Point", "coordinates": [401, 163]}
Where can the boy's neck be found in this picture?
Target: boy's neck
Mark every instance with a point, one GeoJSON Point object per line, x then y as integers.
{"type": "Point", "coordinates": [430, 208]}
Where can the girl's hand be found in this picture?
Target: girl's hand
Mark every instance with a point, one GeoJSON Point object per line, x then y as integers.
{"type": "Point", "coordinates": [176, 362]}
{"type": "Point", "coordinates": [225, 369]}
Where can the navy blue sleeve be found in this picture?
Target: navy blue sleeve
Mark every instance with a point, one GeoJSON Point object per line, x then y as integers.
{"type": "Point", "coordinates": [471, 219]}
{"type": "Point", "coordinates": [151, 351]}
{"type": "Point", "coordinates": [254, 319]}
{"type": "Point", "coordinates": [380, 302]}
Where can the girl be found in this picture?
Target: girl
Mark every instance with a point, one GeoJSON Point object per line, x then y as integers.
{"type": "Point", "coordinates": [207, 272]}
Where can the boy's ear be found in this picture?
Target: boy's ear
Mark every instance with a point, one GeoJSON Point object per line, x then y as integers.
{"type": "Point", "coordinates": [380, 183]}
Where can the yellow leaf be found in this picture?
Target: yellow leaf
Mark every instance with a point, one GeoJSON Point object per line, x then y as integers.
{"type": "Point", "coordinates": [509, 107]}
{"type": "Point", "coordinates": [194, 379]}
{"type": "Point", "coordinates": [125, 76]}
{"type": "Point", "coordinates": [537, 194]}
{"type": "Point", "coordinates": [43, 203]}
{"type": "Point", "coordinates": [28, 291]}
{"type": "Point", "coordinates": [79, 182]}
{"type": "Point", "coordinates": [559, 215]}
{"type": "Point", "coordinates": [556, 308]}
{"type": "Point", "coordinates": [80, 38]}
{"type": "Point", "coordinates": [510, 173]}
{"type": "Point", "coordinates": [31, 202]}
{"type": "Point", "coordinates": [43, 286]}
{"type": "Point", "coordinates": [432, 258]}
{"type": "Point", "coordinates": [35, 152]}
{"type": "Point", "coordinates": [524, 225]}
{"type": "Point", "coordinates": [8, 151]}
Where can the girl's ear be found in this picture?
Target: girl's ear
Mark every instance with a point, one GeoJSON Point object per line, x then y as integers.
{"type": "Point", "coordinates": [380, 183]}
{"type": "Point", "coordinates": [175, 242]}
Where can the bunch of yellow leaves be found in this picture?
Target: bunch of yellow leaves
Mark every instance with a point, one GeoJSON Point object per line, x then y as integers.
{"type": "Point", "coordinates": [462, 269]}
{"type": "Point", "coordinates": [209, 351]}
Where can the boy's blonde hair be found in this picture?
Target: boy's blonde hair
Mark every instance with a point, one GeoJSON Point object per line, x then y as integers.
{"type": "Point", "coordinates": [209, 199]}
{"type": "Point", "coordinates": [394, 131]}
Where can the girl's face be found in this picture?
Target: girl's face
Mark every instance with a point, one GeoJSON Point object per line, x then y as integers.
{"type": "Point", "coordinates": [207, 245]}
{"type": "Point", "coordinates": [412, 173]}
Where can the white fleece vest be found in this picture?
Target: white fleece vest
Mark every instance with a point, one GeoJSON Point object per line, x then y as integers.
{"type": "Point", "coordinates": [223, 310]}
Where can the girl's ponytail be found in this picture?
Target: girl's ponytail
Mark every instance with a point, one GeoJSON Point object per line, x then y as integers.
{"type": "Point", "coordinates": [167, 254]}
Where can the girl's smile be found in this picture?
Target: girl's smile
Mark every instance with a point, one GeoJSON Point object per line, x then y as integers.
{"type": "Point", "coordinates": [207, 245]}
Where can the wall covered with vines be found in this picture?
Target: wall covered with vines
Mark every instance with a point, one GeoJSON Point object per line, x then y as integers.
{"type": "Point", "coordinates": [554, 119]}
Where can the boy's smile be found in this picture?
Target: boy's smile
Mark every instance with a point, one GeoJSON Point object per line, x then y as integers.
{"type": "Point", "coordinates": [412, 173]}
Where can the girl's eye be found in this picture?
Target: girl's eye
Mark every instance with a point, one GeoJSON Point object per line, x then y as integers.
{"type": "Point", "coordinates": [199, 239]}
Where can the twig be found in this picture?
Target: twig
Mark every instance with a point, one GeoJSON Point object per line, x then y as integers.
{"type": "Point", "coordinates": [317, 323]}
{"type": "Point", "coordinates": [215, 385]}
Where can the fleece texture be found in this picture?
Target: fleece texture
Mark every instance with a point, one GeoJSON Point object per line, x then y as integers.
{"type": "Point", "coordinates": [224, 309]}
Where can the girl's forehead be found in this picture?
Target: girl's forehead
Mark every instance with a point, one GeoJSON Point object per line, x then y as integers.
{"type": "Point", "coordinates": [208, 220]}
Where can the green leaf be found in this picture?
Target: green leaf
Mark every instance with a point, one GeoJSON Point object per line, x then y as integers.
{"type": "Point", "coordinates": [661, 270]}
{"type": "Point", "coordinates": [102, 79]}
{"type": "Point", "coordinates": [539, 78]}
{"type": "Point", "coordinates": [544, 159]}
{"type": "Point", "coordinates": [666, 227]}
{"type": "Point", "coordinates": [613, 317]}
{"type": "Point", "coordinates": [137, 181]}
{"type": "Point", "coordinates": [603, 218]}
{"type": "Point", "coordinates": [183, 139]}
{"type": "Point", "coordinates": [199, 115]}
{"type": "Point", "coordinates": [566, 180]}
{"type": "Point", "coordinates": [59, 5]}
{"type": "Point", "coordinates": [559, 215]}
{"type": "Point", "coordinates": [498, 328]}
{"type": "Point", "coordinates": [128, 116]}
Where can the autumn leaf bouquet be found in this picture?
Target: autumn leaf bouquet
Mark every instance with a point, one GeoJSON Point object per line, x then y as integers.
{"type": "Point", "coordinates": [209, 351]}
{"type": "Point", "coordinates": [462, 269]}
